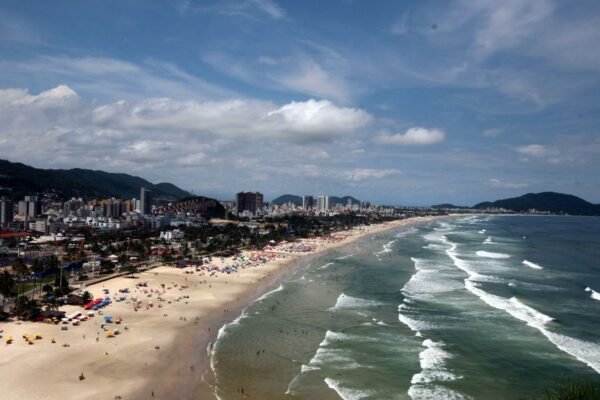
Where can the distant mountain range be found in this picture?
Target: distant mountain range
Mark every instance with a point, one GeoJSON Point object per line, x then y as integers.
{"type": "Point", "coordinates": [447, 206]}
{"type": "Point", "coordinates": [547, 201]}
{"type": "Point", "coordinates": [18, 180]}
{"type": "Point", "coordinates": [297, 200]}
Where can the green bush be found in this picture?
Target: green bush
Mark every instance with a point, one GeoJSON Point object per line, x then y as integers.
{"type": "Point", "coordinates": [575, 391]}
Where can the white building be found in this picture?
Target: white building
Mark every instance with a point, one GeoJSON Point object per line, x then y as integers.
{"type": "Point", "coordinates": [323, 203]}
{"type": "Point", "coordinates": [172, 235]}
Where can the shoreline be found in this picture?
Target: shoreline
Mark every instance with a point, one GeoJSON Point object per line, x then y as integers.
{"type": "Point", "coordinates": [206, 390]}
{"type": "Point", "coordinates": [164, 347]}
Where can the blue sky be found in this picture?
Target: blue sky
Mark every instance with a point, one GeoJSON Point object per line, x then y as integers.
{"type": "Point", "coordinates": [395, 102]}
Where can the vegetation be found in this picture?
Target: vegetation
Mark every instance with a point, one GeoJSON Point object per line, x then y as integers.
{"type": "Point", "coordinates": [547, 201]}
{"type": "Point", "coordinates": [574, 391]}
{"type": "Point", "coordinates": [22, 180]}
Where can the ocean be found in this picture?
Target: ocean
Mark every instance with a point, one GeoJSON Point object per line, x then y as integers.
{"type": "Point", "coordinates": [469, 307]}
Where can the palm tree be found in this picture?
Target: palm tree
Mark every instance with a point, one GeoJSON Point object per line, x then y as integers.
{"type": "Point", "coordinates": [37, 267]}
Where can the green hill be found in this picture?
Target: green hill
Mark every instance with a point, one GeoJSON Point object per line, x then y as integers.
{"type": "Point", "coordinates": [287, 198]}
{"type": "Point", "coordinates": [557, 203]}
{"type": "Point", "coordinates": [18, 180]}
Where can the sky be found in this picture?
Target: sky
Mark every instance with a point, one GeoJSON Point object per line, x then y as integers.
{"type": "Point", "coordinates": [413, 102]}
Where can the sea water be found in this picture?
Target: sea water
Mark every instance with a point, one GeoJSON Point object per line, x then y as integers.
{"type": "Point", "coordinates": [476, 307]}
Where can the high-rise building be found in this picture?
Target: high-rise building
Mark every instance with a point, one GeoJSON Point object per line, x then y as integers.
{"type": "Point", "coordinates": [323, 203]}
{"type": "Point", "coordinates": [145, 201]}
{"type": "Point", "coordinates": [249, 201]}
{"type": "Point", "coordinates": [307, 202]}
{"type": "Point", "coordinates": [30, 207]}
{"type": "Point", "coordinates": [7, 211]}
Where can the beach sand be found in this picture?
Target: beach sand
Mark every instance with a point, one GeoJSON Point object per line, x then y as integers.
{"type": "Point", "coordinates": [165, 350]}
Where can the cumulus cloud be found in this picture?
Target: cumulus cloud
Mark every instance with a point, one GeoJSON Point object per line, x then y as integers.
{"type": "Point", "coordinates": [416, 136]}
{"type": "Point", "coordinates": [537, 151]}
{"type": "Point", "coordinates": [296, 121]}
{"type": "Point", "coordinates": [150, 133]}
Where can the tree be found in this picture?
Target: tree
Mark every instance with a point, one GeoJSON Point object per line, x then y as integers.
{"type": "Point", "coordinates": [61, 282]}
{"type": "Point", "coordinates": [48, 289]}
{"type": "Point", "coordinates": [106, 267]}
{"type": "Point", "coordinates": [7, 284]}
{"type": "Point", "coordinates": [26, 308]}
{"type": "Point", "coordinates": [87, 297]}
{"type": "Point", "coordinates": [37, 267]}
{"type": "Point", "coordinates": [21, 270]}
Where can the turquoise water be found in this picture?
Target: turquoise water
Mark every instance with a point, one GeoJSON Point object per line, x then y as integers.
{"type": "Point", "coordinates": [472, 307]}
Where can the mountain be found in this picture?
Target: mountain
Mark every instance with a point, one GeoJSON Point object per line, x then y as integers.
{"type": "Point", "coordinates": [287, 198]}
{"type": "Point", "coordinates": [333, 200]}
{"type": "Point", "coordinates": [18, 180]}
{"type": "Point", "coordinates": [447, 206]}
{"type": "Point", "coordinates": [297, 200]}
{"type": "Point", "coordinates": [547, 201]}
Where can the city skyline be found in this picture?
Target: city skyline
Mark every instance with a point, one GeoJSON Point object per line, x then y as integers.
{"type": "Point", "coordinates": [281, 97]}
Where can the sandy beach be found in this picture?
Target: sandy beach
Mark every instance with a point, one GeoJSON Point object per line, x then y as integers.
{"type": "Point", "coordinates": [165, 333]}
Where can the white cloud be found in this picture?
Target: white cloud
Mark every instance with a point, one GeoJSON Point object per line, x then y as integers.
{"type": "Point", "coordinates": [500, 184]}
{"type": "Point", "coordinates": [270, 8]}
{"type": "Point", "coordinates": [362, 174]}
{"type": "Point", "coordinates": [491, 132]}
{"type": "Point", "coordinates": [507, 23]}
{"type": "Point", "coordinates": [296, 121]}
{"type": "Point", "coordinates": [416, 136]}
{"type": "Point", "coordinates": [137, 135]}
{"type": "Point", "coordinates": [537, 151]}
{"type": "Point", "coordinates": [309, 77]}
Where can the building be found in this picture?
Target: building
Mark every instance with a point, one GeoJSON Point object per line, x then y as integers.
{"type": "Point", "coordinates": [30, 207]}
{"type": "Point", "coordinates": [249, 201]}
{"type": "Point", "coordinates": [145, 201]}
{"type": "Point", "coordinates": [7, 211]}
{"type": "Point", "coordinates": [307, 202]}
{"type": "Point", "coordinates": [323, 203]}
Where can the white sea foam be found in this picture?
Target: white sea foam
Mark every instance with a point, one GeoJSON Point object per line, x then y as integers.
{"type": "Point", "coordinates": [342, 359]}
{"type": "Point", "coordinates": [387, 248]}
{"type": "Point", "coordinates": [326, 265]}
{"type": "Point", "coordinates": [264, 296]}
{"type": "Point", "coordinates": [428, 281]}
{"type": "Point", "coordinates": [481, 232]}
{"type": "Point", "coordinates": [347, 393]}
{"type": "Point", "coordinates": [344, 257]}
{"type": "Point", "coordinates": [332, 337]}
{"type": "Point", "coordinates": [586, 352]}
{"type": "Point", "coordinates": [434, 392]}
{"type": "Point", "coordinates": [532, 265]}
{"type": "Point", "coordinates": [593, 294]}
{"type": "Point", "coordinates": [489, 254]}
{"type": "Point", "coordinates": [348, 302]}
{"type": "Point", "coordinates": [488, 240]}
{"type": "Point", "coordinates": [407, 232]}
